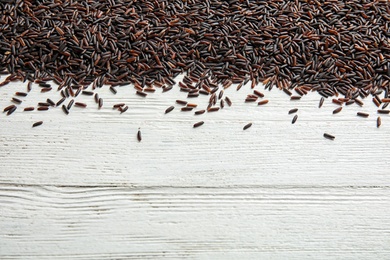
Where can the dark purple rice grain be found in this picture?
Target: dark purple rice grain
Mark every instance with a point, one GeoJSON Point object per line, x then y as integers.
{"type": "Point", "coordinates": [16, 100]}
{"type": "Point", "coordinates": [116, 106]}
{"type": "Point", "coordinates": [198, 124]}
{"type": "Point", "coordinates": [359, 102]}
{"type": "Point", "coordinates": [181, 102]}
{"type": "Point", "coordinates": [71, 92]}
{"type": "Point", "coordinates": [29, 86]}
{"type": "Point", "coordinates": [6, 109]}
{"type": "Point", "coordinates": [228, 101]}
{"type": "Point", "coordinates": [60, 101]}
{"type": "Point", "coordinates": [140, 93]}
{"type": "Point", "coordinates": [185, 109]}
{"type": "Point", "coordinates": [50, 102]}
{"type": "Point", "coordinates": [321, 102]}
{"type": "Point", "coordinates": [378, 122]}
{"type": "Point", "coordinates": [294, 119]}
{"type": "Point", "coordinates": [239, 86]}
{"type": "Point", "coordinates": [151, 90]}
{"type": "Point", "coordinates": [21, 94]}
{"type": "Point", "coordinates": [11, 110]}
{"type": "Point", "coordinates": [383, 111]}
{"type": "Point", "coordinates": [213, 109]}
{"type": "Point", "coordinates": [247, 126]}
{"type": "Point", "coordinates": [114, 91]}
{"type": "Point", "coordinates": [139, 137]}
{"type": "Point", "coordinates": [362, 114]}
{"type": "Point", "coordinates": [376, 97]}
{"type": "Point", "coordinates": [28, 109]}
{"type": "Point", "coordinates": [220, 95]}
{"type": "Point", "coordinates": [87, 93]}
{"type": "Point", "coordinates": [337, 110]}
{"type": "Point", "coordinates": [80, 104]}
{"type": "Point", "coordinates": [263, 102]}
{"type": "Point", "coordinates": [292, 111]}
{"type": "Point", "coordinates": [214, 90]}
{"type": "Point", "coordinates": [329, 136]}
{"type": "Point", "coordinates": [295, 97]}
{"type": "Point", "coordinates": [77, 92]}
{"type": "Point", "coordinates": [37, 123]}
{"type": "Point", "coordinates": [166, 89]}
{"type": "Point", "coordinates": [44, 90]}
{"type": "Point", "coordinates": [375, 101]}
{"type": "Point", "coordinates": [199, 112]}
{"type": "Point", "coordinates": [65, 109]}
{"type": "Point", "coordinates": [288, 92]}
{"type": "Point", "coordinates": [258, 93]}
{"type": "Point", "coordinates": [250, 99]}
{"type": "Point", "coordinates": [123, 109]}
{"type": "Point", "coordinates": [299, 91]}
{"type": "Point", "coordinates": [192, 95]}
{"type": "Point", "coordinates": [3, 83]}
{"type": "Point", "coordinates": [44, 85]}
{"type": "Point", "coordinates": [70, 104]}
{"type": "Point", "coordinates": [337, 102]}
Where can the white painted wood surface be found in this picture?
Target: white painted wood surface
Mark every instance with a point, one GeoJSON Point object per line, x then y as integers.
{"type": "Point", "coordinates": [82, 187]}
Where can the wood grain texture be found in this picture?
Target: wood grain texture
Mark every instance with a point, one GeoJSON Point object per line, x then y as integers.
{"type": "Point", "coordinates": [263, 222]}
{"type": "Point", "coordinates": [82, 187]}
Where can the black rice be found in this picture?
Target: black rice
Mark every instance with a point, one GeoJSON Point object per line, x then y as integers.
{"type": "Point", "coordinates": [247, 126]}
{"type": "Point", "coordinates": [37, 123]}
{"type": "Point", "coordinates": [139, 137]}
{"type": "Point", "coordinates": [292, 111]}
{"type": "Point", "coordinates": [335, 48]}
{"type": "Point", "coordinates": [329, 136]}
{"type": "Point", "coordinates": [198, 124]}
{"type": "Point", "coordinates": [169, 109]}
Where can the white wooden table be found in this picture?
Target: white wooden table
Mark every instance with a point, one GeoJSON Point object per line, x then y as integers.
{"type": "Point", "coordinates": [82, 187]}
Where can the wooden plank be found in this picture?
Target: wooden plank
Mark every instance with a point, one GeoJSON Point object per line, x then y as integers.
{"type": "Point", "coordinates": [179, 223]}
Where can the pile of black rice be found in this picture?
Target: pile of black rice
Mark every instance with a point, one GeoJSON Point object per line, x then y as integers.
{"type": "Point", "coordinates": [340, 49]}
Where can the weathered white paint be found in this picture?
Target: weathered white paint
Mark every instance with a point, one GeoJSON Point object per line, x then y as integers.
{"type": "Point", "coordinates": [82, 187]}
